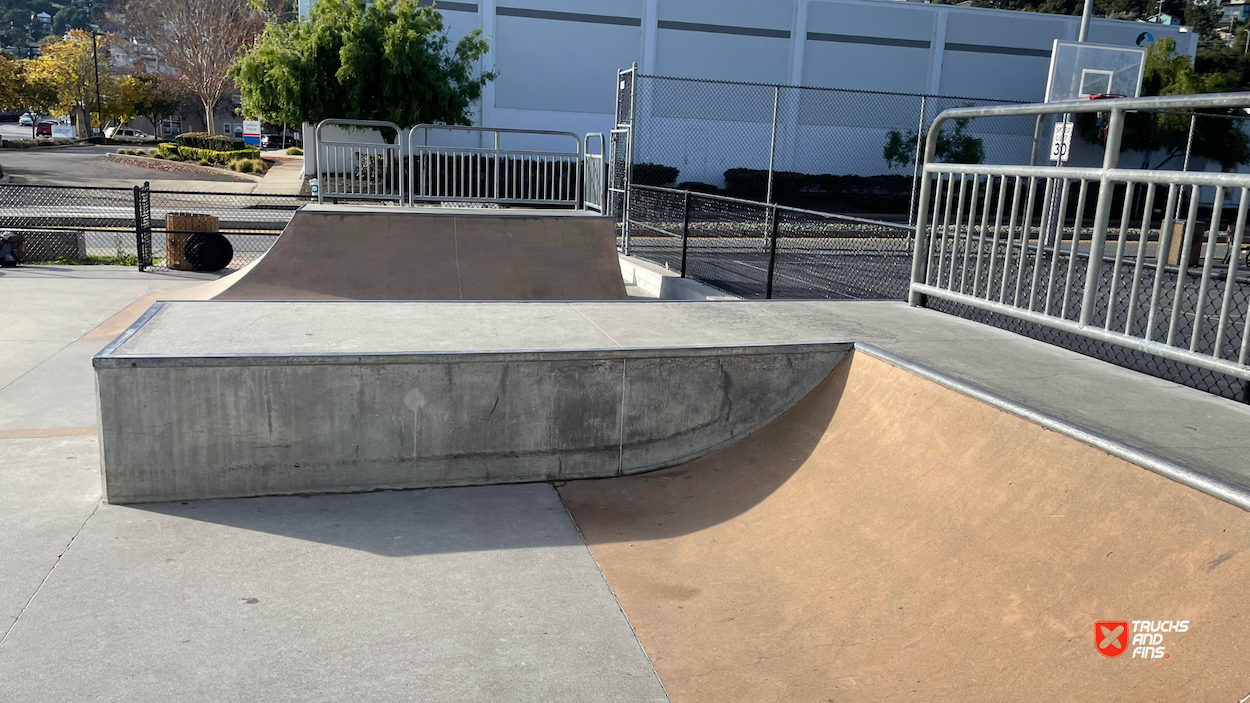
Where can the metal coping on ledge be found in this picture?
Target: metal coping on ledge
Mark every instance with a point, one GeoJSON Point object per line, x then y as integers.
{"type": "Point", "coordinates": [1227, 492]}
{"type": "Point", "coordinates": [108, 357]}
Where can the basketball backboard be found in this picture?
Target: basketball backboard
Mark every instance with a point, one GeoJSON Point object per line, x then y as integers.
{"type": "Point", "coordinates": [1078, 71]}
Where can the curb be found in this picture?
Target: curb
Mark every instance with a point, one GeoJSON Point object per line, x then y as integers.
{"type": "Point", "coordinates": [181, 167]}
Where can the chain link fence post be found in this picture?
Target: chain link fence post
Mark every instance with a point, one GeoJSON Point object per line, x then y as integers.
{"type": "Point", "coordinates": [915, 161]}
{"type": "Point", "coordinates": [685, 231]}
{"type": "Point", "coordinates": [772, 251]}
{"type": "Point", "coordinates": [629, 154]}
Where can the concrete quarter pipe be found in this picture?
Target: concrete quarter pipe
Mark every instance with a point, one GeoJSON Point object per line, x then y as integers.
{"type": "Point", "coordinates": [890, 539]}
{"type": "Point", "coordinates": [332, 252]}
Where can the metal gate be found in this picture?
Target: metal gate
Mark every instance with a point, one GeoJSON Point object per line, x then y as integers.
{"type": "Point", "coordinates": [620, 155]}
{"type": "Point", "coordinates": [594, 196]}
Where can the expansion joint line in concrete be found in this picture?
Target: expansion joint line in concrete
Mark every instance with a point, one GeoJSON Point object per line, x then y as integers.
{"type": "Point", "coordinates": [455, 242]}
{"type": "Point", "coordinates": [48, 575]}
{"type": "Point", "coordinates": [615, 599]}
{"type": "Point", "coordinates": [620, 445]}
{"type": "Point", "coordinates": [41, 363]}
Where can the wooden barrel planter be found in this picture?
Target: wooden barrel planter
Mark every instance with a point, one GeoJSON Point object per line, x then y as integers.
{"type": "Point", "coordinates": [192, 243]}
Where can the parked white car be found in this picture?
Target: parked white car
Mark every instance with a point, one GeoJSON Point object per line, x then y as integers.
{"type": "Point", "coordinates": [126, 134]}
{"type": "Point", "coordinates": [26, 120]}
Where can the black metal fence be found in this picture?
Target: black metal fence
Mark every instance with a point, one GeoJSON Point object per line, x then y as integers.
{"type": "Point", "coordinates": [755, 250]}
{"type": "Point", "coordinates": [77, 225]}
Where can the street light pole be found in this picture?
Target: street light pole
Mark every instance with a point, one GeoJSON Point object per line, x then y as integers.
{"type": "Point", "coordinates": [95, 57]}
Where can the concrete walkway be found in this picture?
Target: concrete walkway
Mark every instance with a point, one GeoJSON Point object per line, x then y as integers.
{"type": "Point", "coordinates": [450, 595]}
{"type": "Point", "coordinates": [285, 177]}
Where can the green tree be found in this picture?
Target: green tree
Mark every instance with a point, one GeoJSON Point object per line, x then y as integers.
{"type": "Point", "coordinates": [70, 17]}
{"type": "Point", "coordinates": [66, 67]}
{"type": "Point", "coordinates": [1219, 137]}
{"type": "Point", "coordinates": [385, 60]}
{"type": "Point", "coordinates": [954, 145]}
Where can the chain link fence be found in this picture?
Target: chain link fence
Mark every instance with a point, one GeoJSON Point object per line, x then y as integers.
{"type": "Point", "coordinates": [82, 225]}
{"type": "Point", "coordinates": [819, 149]}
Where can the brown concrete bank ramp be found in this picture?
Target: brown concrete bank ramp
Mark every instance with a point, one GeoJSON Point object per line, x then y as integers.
{"type": "Point", "coordinates": [334, 252]}
{"type": "Point", "coordinates": [890, 539]}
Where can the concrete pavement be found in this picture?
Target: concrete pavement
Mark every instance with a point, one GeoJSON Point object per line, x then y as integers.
{"type": "Point", "coordinates": [89, 166]}
{"type": "Point", "coordinates": [447, 595]}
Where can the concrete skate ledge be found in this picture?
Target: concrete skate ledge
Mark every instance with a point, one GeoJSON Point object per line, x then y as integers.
{"type": "Point", "coordinates": [186, 426]}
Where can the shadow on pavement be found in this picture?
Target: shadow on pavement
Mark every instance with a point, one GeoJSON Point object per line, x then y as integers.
{"type": "Point", "coordinates": [398, 523]}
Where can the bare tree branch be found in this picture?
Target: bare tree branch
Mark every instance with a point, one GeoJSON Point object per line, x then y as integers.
{"type": "Point", "coordinates": [197, 38]}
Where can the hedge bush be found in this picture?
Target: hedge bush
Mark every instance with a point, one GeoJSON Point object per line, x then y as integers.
{"type": "Point", "coordinates": [295, 151]}
{"type": "Point", "coordinates": [887, 193]}
{"type": "Point", "coordinates": [210, 142]}
{"type": "Point", "coordinates": [187, 153]}
{"type": "Point", "coordinates": [248, 165]}
{"type": "Point", "coordinates": [653, 174]}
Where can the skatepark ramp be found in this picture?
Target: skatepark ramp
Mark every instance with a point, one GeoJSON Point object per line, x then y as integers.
{"type": "Point", "coordinates": [337, 252]}
{"type": "Point", "coordinates": [889, 539]}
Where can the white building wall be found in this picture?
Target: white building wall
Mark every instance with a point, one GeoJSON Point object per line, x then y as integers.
{"type": "Point", "coordinates": [557, 59]}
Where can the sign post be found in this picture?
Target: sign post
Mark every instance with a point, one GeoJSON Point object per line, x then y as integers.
{"type": "Point", "coordinates": [1061, 142]}
{"type": "Point", "coordinates": [251, 132]}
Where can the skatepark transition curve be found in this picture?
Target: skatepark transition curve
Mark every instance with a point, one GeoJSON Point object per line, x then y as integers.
{"type": "Point", "coordinates": [330, 252]}
{"type": "Point", "coordinates": [888, 538]}
{"type": "Point", "coordinates": [334, 252]}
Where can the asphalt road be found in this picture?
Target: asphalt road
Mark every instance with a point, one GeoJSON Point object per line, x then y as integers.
{"type": "Point", "coordinates": [90, 166]}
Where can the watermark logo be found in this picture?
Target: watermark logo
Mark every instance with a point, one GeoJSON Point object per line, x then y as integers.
{"type": "Point", "coordinates": [1111, 637]}
{"type": "Point", "coordinates": [1143, 637]}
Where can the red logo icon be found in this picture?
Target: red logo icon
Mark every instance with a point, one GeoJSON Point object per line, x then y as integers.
{"type": "Point", "coordinates": [1111, 637]}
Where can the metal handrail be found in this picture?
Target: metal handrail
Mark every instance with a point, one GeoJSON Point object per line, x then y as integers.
{"type": "Point", "coordinates": [945, 266]}
{"type": "Point", "coordinates": [495, 190]}
{"type": "Point", "coordinates": [319, 142]}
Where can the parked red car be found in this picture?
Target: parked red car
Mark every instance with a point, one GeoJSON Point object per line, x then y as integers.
{"type": "Point", "coordinates": [44, 129]}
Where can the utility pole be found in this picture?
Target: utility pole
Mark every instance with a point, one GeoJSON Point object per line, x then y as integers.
{"type": "Point", "coordinates": [95, 57]}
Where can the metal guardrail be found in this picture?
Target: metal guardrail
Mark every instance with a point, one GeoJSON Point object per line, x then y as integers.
{"type": "Point", "coordinates": [356, 170]}
{"type": "Point", "coordinates": [594, 190]}
{"type": "Point", "coordinates": [1159, 283]}
{"type": "Point", "coordinates": [493, 174]}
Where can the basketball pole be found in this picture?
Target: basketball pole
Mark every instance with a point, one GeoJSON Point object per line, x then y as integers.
{"type": "Point", "coordinates": [1086, 15]}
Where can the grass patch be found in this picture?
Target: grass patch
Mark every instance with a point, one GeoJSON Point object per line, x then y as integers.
{"type": "Point", "coordinates": [295, 151]}
{"type": "Point", "coordinates": [91, 260]}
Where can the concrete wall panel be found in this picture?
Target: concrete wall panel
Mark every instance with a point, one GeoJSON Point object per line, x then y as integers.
{"type": "Point", "coordinates": [187, 427]}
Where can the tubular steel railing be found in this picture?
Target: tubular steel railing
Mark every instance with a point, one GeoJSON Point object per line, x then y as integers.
{"type": "Point", "coordinates": [594, 190]}
{"type": "Point", "coordinates": [358, 170]}
{"type": "Point", "coordinates": [1143, 272]}
{"type": "Point", "coordinates": [492, 174]}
